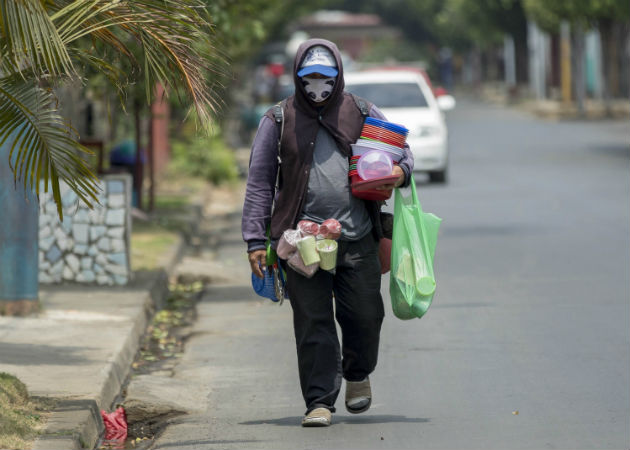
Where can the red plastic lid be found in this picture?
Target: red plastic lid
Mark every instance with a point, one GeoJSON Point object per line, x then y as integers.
{"type": "Point", "coordinates": [376, 182]}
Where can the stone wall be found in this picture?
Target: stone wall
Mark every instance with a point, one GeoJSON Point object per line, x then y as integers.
{"type": "Point", "coordinates": [88, 246]}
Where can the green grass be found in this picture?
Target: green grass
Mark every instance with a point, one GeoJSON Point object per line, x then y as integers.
{"type": "Point", "coordinates": [21, 417]}
{"type": "Point", "coordinates": [151, 239]}
{"type": "Point", "coordinates": [171, 202]}
{"type": "Point", "coordinates": [149, 244]}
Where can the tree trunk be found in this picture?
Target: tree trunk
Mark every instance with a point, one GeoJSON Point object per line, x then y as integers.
{"type": "Point", "coordinates": [138, 169]}
{"type": "Point", "coordinates": [151, 155]}
{"type": "Point", "coordinates": [605, 30]}
{"type": "Point", "coordinates": [476, 67]}
{"type": "Point", "coordinates": [565, 61]}
{"type": "Point", "coordinates": [615, 47]}
{"type": "Point", "coordinates": [625, 61]}
{"type": "Point", "coordinates": [555, 61]}
{"type": "Point", "coordinates": [577, 62]}
{"type": "Point", "coordinates": [521, 54]}
{"type": "Point", "coordinates": [490, 64]}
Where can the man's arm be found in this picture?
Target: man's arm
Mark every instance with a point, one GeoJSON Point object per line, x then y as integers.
{"type": "Point", "coordinates": [263, 168]}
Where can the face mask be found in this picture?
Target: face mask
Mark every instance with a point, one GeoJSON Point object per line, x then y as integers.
{"type": "Point", "coordinates": [318, 89]}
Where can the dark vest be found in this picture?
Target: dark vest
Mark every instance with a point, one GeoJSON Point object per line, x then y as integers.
{"type": "Point", "coordinates": [344, 123]}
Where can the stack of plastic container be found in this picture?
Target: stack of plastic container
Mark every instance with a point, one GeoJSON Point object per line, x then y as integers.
{"type": "Point", "coordinates": [378, 137]}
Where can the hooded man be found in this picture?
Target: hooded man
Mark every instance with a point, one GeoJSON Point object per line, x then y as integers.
{"type": "Point", "coordinates": [320, 121]}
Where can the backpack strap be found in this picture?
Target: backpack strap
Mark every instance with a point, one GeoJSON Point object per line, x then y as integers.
{"type": "Point", "coordinates": [278, 113]}
{"type": "Point", "coordinates": [278, 116]}
{"type": "Point", "coordinates": [362, 105]}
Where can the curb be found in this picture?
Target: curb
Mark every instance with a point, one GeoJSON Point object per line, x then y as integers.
{"type": "Point", "coordinates": [555, 110]}
{"type": "Point", "coordinates": [592, 110]}
{"type": "Point", "coordinates": [77, 424]}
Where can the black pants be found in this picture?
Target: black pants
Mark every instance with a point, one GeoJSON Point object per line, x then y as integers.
{"type": "Point", "coordinates": [359, 311]}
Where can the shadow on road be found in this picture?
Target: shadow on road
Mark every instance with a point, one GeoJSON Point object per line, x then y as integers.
{"type": "Point", "coordinates": [39, 354]}
{"type": "Point", "coordinates": [613, 150]}
{"type": "Point", "coordinates": [197, 443]}
{"type": "Point", "coordinates": [383, 418]}
{"type": "Point", "coordinates": [230, 293]}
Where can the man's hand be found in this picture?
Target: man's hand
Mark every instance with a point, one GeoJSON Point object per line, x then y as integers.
{"type": "Point", "coordinates": [401, 179]}
{"type": "Point", "coordinates": [258, 259]}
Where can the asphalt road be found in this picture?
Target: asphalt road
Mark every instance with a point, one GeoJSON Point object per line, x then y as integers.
{"type": "Point", "coordinates": [527, 343]}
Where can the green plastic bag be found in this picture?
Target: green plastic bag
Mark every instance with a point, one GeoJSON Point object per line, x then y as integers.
{"type": "Point", "coordinates": [411, 280]}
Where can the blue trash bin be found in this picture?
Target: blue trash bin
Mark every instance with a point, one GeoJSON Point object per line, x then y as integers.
{"type": "Point", "coordinates": [19, 233]}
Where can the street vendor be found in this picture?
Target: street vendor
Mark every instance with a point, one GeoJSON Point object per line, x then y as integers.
{"type": "Point", "coordinates": [320, 121]}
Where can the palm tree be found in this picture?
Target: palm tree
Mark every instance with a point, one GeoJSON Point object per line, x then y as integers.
{"type": "Point", "coordinates": [47, 42]}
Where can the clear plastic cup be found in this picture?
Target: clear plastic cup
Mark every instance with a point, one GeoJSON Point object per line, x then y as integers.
{"type": "Point", "coordinates": [327, 249]}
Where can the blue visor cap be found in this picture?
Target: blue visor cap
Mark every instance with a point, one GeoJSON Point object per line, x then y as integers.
{"type": "Point", "coordinates": [318, 68]}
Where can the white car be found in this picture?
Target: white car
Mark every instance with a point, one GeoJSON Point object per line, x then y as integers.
{"type": "Point", "coordinates": [406, 99]}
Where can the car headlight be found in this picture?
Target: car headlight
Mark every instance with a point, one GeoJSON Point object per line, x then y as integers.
{"type": "Point", "coordinates": [425, 131]}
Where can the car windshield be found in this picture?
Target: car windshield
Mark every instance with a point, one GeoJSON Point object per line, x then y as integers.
{"type": "Point", "coordinates": [390, 95]}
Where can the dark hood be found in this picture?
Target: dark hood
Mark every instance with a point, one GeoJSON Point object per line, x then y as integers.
{"type": "Point", "coordinates": [340, 116]}
{"type": "Point", "coordinates": [301, 97]}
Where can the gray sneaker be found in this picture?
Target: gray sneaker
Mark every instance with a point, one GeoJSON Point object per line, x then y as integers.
{"type": "Point", "coordinates": [319, 417]}
{"type": "Point", "coordinates": [358, 396]}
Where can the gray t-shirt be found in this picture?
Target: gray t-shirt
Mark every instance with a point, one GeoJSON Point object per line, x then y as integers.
{"type": "Point", "coordinates": [329, 194]}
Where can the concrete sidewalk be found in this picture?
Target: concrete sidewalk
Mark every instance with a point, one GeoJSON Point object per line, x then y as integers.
{"type": "Point", "coordinates": [594, 109]}
{"type": "Point", "coordinates": [79, 349]}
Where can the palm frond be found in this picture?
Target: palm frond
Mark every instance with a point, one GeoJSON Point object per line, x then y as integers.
{"type": "Point", "coordinates": [168, 41]}
{"type": "Point", "coordinates": [182, 69]}
{"type": "Point", "coordinates": [43, 146]}
{"type": "Point", "coordinates": [174, 35]}
{"type": "Point", "coordinates": [30, 40]}
{"type": "Point", "coordinates": [87, 17]}
{"type": "Point", "coordinates": [113, 73]}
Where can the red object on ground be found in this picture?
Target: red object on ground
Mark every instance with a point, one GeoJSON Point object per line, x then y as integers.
{"type": "Point", "coordinates": [115, 425]}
